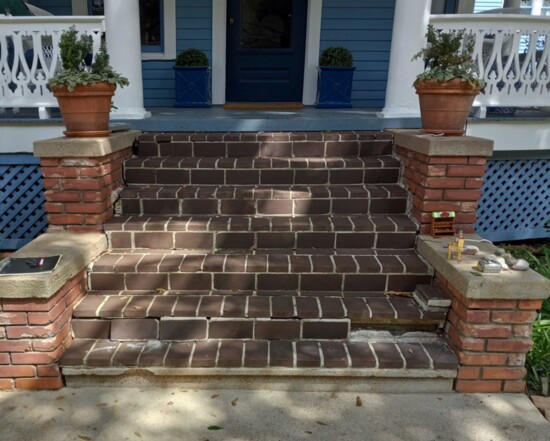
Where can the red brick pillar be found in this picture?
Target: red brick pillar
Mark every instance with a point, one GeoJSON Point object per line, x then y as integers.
{"type": "Point", "coordinates": [491, 338]}
{"type": "Point", "coordinates": [442, 174]}
{"type": "Point", "coordinates": [81, 175]}
{"type": "Point", "coordinates": [489, 323]}
{"type": "Point", "coordinates": [34, 333]}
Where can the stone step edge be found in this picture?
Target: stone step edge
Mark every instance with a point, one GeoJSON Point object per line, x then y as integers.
{"type": "Point", "coordinates": [268, 371]}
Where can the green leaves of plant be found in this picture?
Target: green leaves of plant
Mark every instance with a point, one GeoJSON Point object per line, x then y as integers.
{"type": "Point", "coordinates": [448, 55]}
{"type": "Point", "coordinates": [73, 51]}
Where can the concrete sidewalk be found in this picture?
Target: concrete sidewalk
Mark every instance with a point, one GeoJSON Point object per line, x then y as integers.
{"type": "Point", "coordinates": [109, 414]}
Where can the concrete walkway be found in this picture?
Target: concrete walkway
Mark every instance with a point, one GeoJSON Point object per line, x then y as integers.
{"type": "Point", "coordinates": [118, 414]}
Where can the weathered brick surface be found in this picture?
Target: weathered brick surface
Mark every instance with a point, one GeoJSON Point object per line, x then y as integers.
{"type": "Point", "coordinates": [490, 339]}
{"type": "Point", "coordinates": [35, 334]}
{"type": "Point", "coordinates": [79, 191]}
{"type": "Point", "coordinates": [443, 183]}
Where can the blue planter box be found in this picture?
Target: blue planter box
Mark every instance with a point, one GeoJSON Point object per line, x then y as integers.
{"type": "Point", "coordinates": [192, 86]}
{"type": "Point", "coordinates": [334, 87]}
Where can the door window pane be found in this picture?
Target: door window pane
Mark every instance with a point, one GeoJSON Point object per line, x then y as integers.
{"type": "Point", "coordinates": [266, 24]}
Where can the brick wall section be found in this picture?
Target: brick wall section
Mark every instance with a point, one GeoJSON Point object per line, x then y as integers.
{"type": "Point", "coordinates": [34, 333]}
{"type": "Point", "coordinates": [490, 338]}
{"type": "Point", "coordinates": [443, 183]}
{"type": "Point", "coordinates": [79, 191]}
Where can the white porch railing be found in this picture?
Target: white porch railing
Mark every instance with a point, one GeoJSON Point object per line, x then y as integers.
{"type": "Point", "coordinates": [29, 56]}
{"type": "Point", "coordinates": [512, 54]}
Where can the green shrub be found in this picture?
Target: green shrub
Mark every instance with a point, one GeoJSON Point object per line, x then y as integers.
{"type": "Point", "coordinates": [537, 361]}
{"type": "Point", "coordinates": [192, 58]}
{"type": "Point", "coordinates": [336, 56]}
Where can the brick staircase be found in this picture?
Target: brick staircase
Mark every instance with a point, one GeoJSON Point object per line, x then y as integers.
{"type": "Point", "coordinates": [268, 258]}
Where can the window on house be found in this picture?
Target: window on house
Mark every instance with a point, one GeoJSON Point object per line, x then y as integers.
{"type": "Point", "coordinates": [151, 23]}
{"type": "Point", "coordinates": [157, 26]}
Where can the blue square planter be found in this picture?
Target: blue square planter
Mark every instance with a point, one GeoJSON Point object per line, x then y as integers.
{"type": "Point", "coordinates": [192, 86]}
{"type": "Point", "coordinates": [334, 87]}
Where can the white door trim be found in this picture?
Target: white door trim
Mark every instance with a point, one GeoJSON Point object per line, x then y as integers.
{"type": "Point", "coordinates": [219, 43]}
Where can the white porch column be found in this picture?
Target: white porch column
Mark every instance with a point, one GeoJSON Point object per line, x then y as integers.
{"type": "Point", "coordinates": [409, 27]}
{"type": "Point", "coordinates": [123, 42]}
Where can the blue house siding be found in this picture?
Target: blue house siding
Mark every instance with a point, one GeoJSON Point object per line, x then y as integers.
{"type": "Point", "coordinates": [365, 28]}
{"type": "Point", "coordinates": [193, 29]}
{"type": "Point", "coordinates": [56, 7]}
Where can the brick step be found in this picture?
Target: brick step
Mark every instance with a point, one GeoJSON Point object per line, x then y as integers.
{"type": "Point", "coordinates": [266, 144]}
{"type": "Point", "coordinates": [246, 232]}
{"type": "Point", "coordinates": [261, 171]}
{"type": "Point", "coordinates": [402, 364]}
{"type": "Point", "coordinates": [128, 316]}
{"type": "Point", "coordinates": [156, 269]}
{"type": "Point", "coordinates": [254, 201]}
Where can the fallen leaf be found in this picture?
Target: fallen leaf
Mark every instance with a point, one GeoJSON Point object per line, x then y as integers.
{"type": "Point", "coordinates": [358, 401]}
{"type": "Point", "coordinates": [61, 409]}
{"type": "Point", "coordinates": [101, 405]}
{"type": "Point", "coordinates": [400, 294]}
{"type": "Point", "coordinates": [321, 423]}
{"type": "Point", "coordinates": [234, 402]}
{"type": "Point", "coordinates": [214, 428]}
{"type": "Point", "coordinates": [309, 432]}
{"type": "Point", "coordinates": [170, 403]}
{"type": "Point", "coordinates": [84, 437]}
{"type": "Point", "coordinates": [215, 396]}
{"type": "Point", "coordinates": [60, 398]}
{"type": "Point", "coordinates": [160, 290]}
{"type": "Point", "coordinates": [333, 395]}
{"type": "Point", "coordinates": [411, 351]}
{"type": "Point", "coordinates": [137, 434]}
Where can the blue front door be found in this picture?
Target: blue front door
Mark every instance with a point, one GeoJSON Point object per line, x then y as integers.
{"type": "Point", "coordinates": [265, 50]}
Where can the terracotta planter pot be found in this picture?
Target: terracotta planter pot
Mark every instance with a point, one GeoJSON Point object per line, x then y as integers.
{"type": "Point", "coordinates": [85, 110]}
{"type": "Point", "coordinates": [444, 107]}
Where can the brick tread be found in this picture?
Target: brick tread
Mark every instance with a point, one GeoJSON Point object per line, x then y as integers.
{"type": "Point", "coordinates": [361, 310]}
{"type": "Point", "coordinates": [266, 144]}
{"type": "Point", "coordinates": [158, 261]}
{"type": "Point", "coordinates": [264, 201]}
{"type": "Point", "coordinates": [249, 233]}
{"type": "Point", "coordinates": [260, 353]}
{"type": "Point", "coordinates": [264, 171]}
{"type": "Point", "coordinates": [334, 223]}
{"type": "Point", "coordinates": [371, 191]}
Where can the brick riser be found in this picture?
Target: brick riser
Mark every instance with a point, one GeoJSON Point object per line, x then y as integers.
{"type": "Point", "coordinates": [267, 201]}
{"type": "Point", "coordinates": [190, 316]}
{"type": "Point", "coordinates": [262, 171]}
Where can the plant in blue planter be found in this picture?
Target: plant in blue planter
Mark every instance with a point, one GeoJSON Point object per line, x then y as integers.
{"type": "Point", "coordinates": [192, 81]}
{"type": "Point", "coordinates": [335, 78]}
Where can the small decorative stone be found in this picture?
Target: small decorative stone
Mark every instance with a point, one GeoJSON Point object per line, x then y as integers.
{"type": "Point", "coordinates": [491, 257]}
{"type": "Point", "coordinates": [502, 262]}
{"type": "Point", "coordinates": [521, 265]}
{"type": "Point", "coordinates": [500, 251]}
{"type": "Point", "coordinates": [470, 250]}
{"type": "Point", "coordinates": [507, 257]}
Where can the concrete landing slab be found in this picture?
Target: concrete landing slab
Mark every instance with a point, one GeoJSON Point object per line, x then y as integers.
{"type": "Point", "coordinates": [185, 414]}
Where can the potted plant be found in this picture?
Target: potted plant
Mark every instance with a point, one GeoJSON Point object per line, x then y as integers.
{"type": "Point", "coordinates": [449, 84]}
{"type": "Point", "coordinates": [192, 85]}
{"type": "Point", "coordinates": [84, 89]}
{"type": "Point", "coordinates": [335, 78]}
